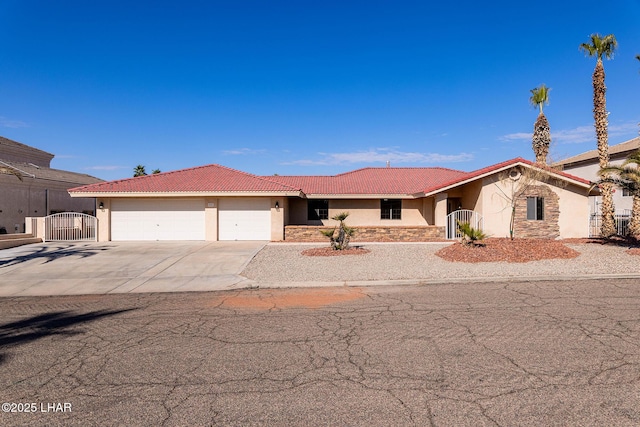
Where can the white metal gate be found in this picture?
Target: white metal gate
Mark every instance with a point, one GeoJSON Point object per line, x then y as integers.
{"type": "Point", "coordinates": [70, 226]}
{"type": "Point", "coordinates": [463, 215]}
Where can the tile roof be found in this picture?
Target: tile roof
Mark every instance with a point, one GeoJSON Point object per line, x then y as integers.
{"type": "Point", "coordinates": [209, 178]}
{"type": "Point", "coordinates": [501, 166]}
{"type": "Point", "coordinates": [382, 181]}
{"type": "Point", "coordinates": [622, 149]}
{"type": "Point", "coordinates": [401, 181]}
{"type": "Point", "coordinates": [40, 172]}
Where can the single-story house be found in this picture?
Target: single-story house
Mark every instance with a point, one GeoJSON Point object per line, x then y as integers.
{"type": "Point", "coordinates": [40, 190]}
{"type": "Point", "coordinates": [214, 202]}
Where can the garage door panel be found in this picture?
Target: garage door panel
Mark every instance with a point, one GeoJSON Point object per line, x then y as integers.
{"type": "Point", "coordinates": [140, 219]}
{"type": "Point", "coordinates": [244, 219]}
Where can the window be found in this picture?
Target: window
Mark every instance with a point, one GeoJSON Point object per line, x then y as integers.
{"type": "Point", "coordinates": [626, 192]}
{"type": "Point", "coordinates": [390, 208]}
{"type": "Point", "coordinates": [317, 210]}
{"type": "Point", "coordinates": [535, 208]}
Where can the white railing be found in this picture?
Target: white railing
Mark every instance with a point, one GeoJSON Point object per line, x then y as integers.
{"type": "Point", "coordinates": [464, 215]}
{"type": "Point", "coordinates": [621, 221]}
{"type": "Point", "coordinates": [70, 226]}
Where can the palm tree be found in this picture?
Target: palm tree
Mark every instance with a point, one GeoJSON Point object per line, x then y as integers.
{"type": "Point", "coordinates": [627, 177]}
{"type": "Point", "coordinates": [155, 171]}
{"type": "Point", "coordinates": [139, 171]}
{"type": "Point", "coordinates": [541, 129]}
{"type": "Point", "coordinates": [602, 46]}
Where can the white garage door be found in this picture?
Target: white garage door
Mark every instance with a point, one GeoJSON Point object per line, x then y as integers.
{"type": "Point", "coordinates": [244, 219]}
{"type": "Point", "coordinates": [148, 219]}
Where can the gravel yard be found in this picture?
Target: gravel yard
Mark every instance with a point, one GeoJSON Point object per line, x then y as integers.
{"type": "Point", "coordinates": [285, 263]}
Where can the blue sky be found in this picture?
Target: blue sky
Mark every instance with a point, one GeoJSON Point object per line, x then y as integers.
{"type": "Point", "coordinates": [304, 87]}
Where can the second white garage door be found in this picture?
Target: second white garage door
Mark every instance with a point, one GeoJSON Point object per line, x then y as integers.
{"type": "Point", "coordinates": [244, 219]}
{"type": "Point", "coordinates": [157, 219]}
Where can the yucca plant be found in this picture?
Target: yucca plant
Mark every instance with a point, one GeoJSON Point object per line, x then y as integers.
{"type": "Point", "coordinates": [339, 236]}
{"type": "Point", "coordinates": [470, 236]}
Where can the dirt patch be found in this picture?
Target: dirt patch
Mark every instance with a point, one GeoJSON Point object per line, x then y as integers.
{"type": "Point", "coordinates": [288, 298]}
{"type": "Point", "coordinates": [327, 251]}
{"type": "Point", "coordinates": [634, 251]}
{"type": "Point", "coordinates": [506, 250]}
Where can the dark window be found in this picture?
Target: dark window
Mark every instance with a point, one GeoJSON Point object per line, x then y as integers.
{"type": "Point", "coordinates": [390, 209]}
{"type": "Point", "coordinates": [626, 192]}
{"type": "Point", "coordinates": [535, 208]}
{"type": "Point", "coordinates": [317, 209]}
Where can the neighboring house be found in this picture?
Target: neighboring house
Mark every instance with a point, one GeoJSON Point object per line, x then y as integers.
{"type": "Point", "coordinates": [403, 204]}
{"type": "Point", "coordinates": [42, 190]}
{"type": "Point", "coordinates": [586, 165]}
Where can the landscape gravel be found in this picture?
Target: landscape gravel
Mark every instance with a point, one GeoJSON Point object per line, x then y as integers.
{"type": "Point", "coordinates": [285, 263]}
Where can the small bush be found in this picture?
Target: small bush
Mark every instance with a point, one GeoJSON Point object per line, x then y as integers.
{"type": "Point", "coordinates": [470, 236]}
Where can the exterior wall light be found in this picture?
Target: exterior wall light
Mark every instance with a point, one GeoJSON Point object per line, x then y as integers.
{"type": "Point", "coordinates": [101, 206]}
{"type": "Point", "coordinates": [277, 205]}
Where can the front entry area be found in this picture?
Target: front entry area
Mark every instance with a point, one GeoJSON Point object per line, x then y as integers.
{"type": "Point", "coordinates": [157, 219]}
{"type": "Point", "coordinates": [244, 219]}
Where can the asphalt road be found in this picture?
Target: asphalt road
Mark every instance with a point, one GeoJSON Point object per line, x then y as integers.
{"type": "Point", "coordinates": [544, 353]}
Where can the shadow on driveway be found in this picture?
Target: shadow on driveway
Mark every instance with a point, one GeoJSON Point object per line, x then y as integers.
{"type": "Point", "coordinates": [51, 253]}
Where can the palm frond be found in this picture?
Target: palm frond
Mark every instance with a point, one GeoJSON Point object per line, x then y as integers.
{"type": "Point", "coordinates": [600, 46]}
{"type": "Point", "coordinates": [11, 171]}
{"type": "Point", "coordinates": [540, 96]}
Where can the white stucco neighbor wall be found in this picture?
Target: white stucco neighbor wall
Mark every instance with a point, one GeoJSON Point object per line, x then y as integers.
{"type": "Point", "coordinates": [590, 172]}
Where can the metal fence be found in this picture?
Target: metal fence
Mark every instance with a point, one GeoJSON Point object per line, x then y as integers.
{"type": "Point", "coordinates": [621, 220]}
{"type": "Point", "coordinates": [70, 226]}
{"type": "Point", "coordinates": [463, 215]}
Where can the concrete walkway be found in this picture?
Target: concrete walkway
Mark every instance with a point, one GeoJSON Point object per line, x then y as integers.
{"type": "Point", "coordinates": [124, 267]}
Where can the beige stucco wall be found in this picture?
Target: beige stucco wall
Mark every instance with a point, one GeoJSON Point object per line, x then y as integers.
{"type": "Point", "coordinates": [28, 198]}
{"type": "Point", "coordinates": [211, 219]}
{"type": "Point", "coordinates": [277, 218]}
{"type": "Point", "coordinates": [496, 208]}
{"type": "Point", "coordinates": [363, 212]}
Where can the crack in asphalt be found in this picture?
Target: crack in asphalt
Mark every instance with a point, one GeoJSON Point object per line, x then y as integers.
{"type": "Point", "coordinates": [459, 354]}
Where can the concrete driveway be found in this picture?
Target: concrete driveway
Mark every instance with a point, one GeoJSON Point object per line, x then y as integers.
{"type": "Point", "coordinates": [124, 267]}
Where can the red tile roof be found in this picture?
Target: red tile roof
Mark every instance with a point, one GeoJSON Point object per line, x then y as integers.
{"type": "Point", "coordinates": [210, 178]}
{"type": "Point", "coordinates": [503, 165]}
{"type": "Point", "coordinates": [401, 181]}
{"type": "Point", "coordinates": [383, 181]}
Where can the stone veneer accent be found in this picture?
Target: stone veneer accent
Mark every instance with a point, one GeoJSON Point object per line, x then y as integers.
{"type": "Point", "coordinates": [310, 233]}
{"type": "Point", "coordinates": [549, 227]}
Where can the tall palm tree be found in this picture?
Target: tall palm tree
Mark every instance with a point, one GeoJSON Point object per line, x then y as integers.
{"type": "Point", "coordinates": [602, 46]}
{"type": "Point", "coordinates": [139, 171]}
{"type": "Point", "coordinates": [541, 130]}
{"type": "Point", "coordinates": [627, 177]}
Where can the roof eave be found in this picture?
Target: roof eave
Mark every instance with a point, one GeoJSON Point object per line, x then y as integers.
{"type": "Point", "coordinates": [113, 194]}
{"type": "Point", "coordinates": [502, 169]}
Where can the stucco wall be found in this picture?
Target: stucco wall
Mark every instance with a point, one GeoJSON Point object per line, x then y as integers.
{"type": "Point", "coordinates": [362, 212]}
{"type": "Point", "coordinates": [20, 199]}
{"type": "Point", "coordinates": [590, 172]}
{"type": "Point", "coordinates": [572, 217]}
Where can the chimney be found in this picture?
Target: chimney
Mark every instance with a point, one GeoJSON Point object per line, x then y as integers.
{"type": "Point", "coordinates": [388, 164]}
